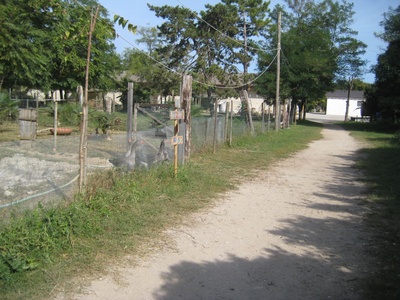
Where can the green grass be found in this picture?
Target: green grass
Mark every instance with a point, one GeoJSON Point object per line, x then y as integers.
{"type": "Point", "coordinates": [121, 214]}
{"type": "Point", "coordinates": [381, 164]}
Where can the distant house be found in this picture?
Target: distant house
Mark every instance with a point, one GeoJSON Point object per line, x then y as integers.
{"type": "Point", "coordinates": [336, 103]}
{"type": "Point", "coordinates": [255, 101]}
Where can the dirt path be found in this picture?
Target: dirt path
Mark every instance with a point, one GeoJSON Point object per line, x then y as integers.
{"type": "Point", "coordinates": [292, 233]}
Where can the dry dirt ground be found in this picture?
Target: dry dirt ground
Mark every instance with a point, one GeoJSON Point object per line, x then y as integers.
{"type": "Point", "coordinates": [294, 232]}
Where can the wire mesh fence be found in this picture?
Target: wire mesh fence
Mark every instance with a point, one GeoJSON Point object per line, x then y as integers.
{"type": "Point", "coordinates": [46, 169]}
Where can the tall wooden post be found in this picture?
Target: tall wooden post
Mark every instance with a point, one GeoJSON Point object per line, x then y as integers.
{"type": "Point", "coordinates": [215, 125]}
{"type": "Point", "coordinates": [83, 140]}
{"type": "Point", "coordinates": [113, 104]}
{"type": "Point", "coordinates": [135, 120]}
{"type": "Point", "coordinates": [278, 75]}
{"type": "Point", "coordinates": [55, 122]}
{"type": "Point", "coordinates": [231, 125]}
{"type": "Point", "coordinates": [269, 118]}
{"type": "Point", "coordinates": [226, 132]}
{"type": "Point", "coordinates": [263, 117]}
{"type": "Point", "coordinates": [176, 132]}
{"type": "Point", "coordinates": [129, 112]}
{"type": "Point", "coordinates": [186, 105]}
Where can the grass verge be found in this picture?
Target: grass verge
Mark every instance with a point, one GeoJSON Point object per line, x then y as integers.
{"type": "Point", "coordinates": [381, 163]}
{"type": "Point", "coordinates": [122, 214]}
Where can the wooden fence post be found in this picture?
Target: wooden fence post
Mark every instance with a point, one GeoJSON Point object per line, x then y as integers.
{"type": "Point", "coordinates": [186, 105]}
{"type": "Point", "coordinates": [227, 121]}
{"type": "Point", "coordinates": [85, 109]}
{"type": "Point", "coordinates": [129, 112]}
{"type": "Point", "coordinates": [215, 125]}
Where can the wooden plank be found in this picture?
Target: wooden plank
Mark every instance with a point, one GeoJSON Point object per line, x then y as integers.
{"type": "Point", "coordinates": [154, 105]}
{"type": "Point", "coordinates": [28, 114]}
{"type": "Point", "coordinates": [151, 116]}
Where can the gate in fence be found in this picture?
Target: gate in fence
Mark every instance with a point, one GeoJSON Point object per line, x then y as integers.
{"type": "Point", "coordinates": [28, 123]}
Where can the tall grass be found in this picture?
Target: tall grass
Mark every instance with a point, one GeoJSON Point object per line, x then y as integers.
{"type": "Point", "coordinates": [380, 159]}
{"type": "Point", "coordinates": [121, 213]}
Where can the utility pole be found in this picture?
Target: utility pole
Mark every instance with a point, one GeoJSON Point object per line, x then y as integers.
{"type": "Point", "coordinates": [278, 75]}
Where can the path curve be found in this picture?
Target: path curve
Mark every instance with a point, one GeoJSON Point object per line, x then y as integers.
{"type": "Point", "coordinates": [295, 232]}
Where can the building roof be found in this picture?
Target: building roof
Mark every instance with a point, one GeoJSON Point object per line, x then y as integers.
{"type": "Point", "coordinates": [342, 94]}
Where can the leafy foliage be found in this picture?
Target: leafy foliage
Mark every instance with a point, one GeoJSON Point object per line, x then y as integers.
{"type": "Point", "coordinates": [43, 44]}
{"type": "Point", "coordinates": [384, 96]}
{"type": "Point", "coordinates": [67, 113]}
{"type": "Point", "coordinates": [8, 107]}
{"type": "Point", "coordinates": [24, 54]}
{"type": "Point", "coordinates": [317, 45]}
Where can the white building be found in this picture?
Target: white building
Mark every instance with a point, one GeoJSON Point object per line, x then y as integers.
{"type": "Point", "coordinates": [336, 103]}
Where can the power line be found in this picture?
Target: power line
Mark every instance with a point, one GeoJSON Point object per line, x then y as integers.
{"type": "Point", "coordinates": [225, 35]}
{"type": "Point", "coordinates": [288, 65]}
{"type": "Point", "coordinates": [174, 71]}
{"type": "Point", "coordinates": [127, 41]}
{"type": "Point", "coordinates": [244, 84]}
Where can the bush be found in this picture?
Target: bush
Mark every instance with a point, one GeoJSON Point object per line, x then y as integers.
{"type": "Point", "coordinates": [8, 107]}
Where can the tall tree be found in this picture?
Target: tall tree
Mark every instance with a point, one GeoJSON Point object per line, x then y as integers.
{"type": "Point", "coordinates": [351, 66]}
{"type": "Point", "coordinates": [318, 44]}
{"type": "Point", "coordinates": [252, 21]}
{"type": "Point", "coordinates": [194, 45]}
{"type": "Point", "coordinates": [69, 46]}
{"type": "Point", "coordinates": [385, 95]}
{"type": "Point", "coordinates": [24, 57]}
{"type": "Point", "coordinates": [149, 37]}
{"type": "Point", "coordinates": [308, 63]}
{"type": "Point", "coordinates": [43, 44]}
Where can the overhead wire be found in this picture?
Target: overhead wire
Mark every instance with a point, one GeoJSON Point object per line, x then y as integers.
{"type": "Point", "coordinates": [244, 84]}
{"type": "Point", "coordinates": [225, 35]}
{"type": "Point", "coordinates": [131, 44]}
{"type": "Point", "coordinates": [288, 65]}
{"type": "Point", "coordinates": [175, 71]}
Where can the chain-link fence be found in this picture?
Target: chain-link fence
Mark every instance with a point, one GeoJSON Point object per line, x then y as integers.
{"type": "Point", "coordinates": [46, 169]}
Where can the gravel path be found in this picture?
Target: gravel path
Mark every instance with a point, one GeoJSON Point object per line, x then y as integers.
{"type": "Point", "coordinates": [295, 232]}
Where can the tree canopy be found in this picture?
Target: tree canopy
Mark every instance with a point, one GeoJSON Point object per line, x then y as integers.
{"type": "Point", "coordinates": [43, 44]}
{"type": "Point", "coordinates": [318, 48]}
{"type": "Point", "coordinates": [384, 95]}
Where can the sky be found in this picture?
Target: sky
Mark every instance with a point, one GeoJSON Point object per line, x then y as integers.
{"type": "Point", "coordinates": [367, 18]}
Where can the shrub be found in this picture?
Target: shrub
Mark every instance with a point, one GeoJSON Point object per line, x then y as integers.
{"type": "Point", "coordinates": [8, 107]}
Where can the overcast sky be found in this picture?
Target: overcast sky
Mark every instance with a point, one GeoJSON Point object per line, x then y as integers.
{"type": "Point", "coordinates": [368, 15]}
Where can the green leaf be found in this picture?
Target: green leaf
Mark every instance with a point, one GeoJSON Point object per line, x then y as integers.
{"type": "Point", "coordinates": [132, 28]}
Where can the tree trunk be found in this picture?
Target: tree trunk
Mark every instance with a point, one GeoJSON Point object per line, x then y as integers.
{"type": "Point", "coordinates": [349, 88]}
{"type": "Point", "coordinates": [301, 107]}
{"type": "Point", "coordinates": [293, 110]}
